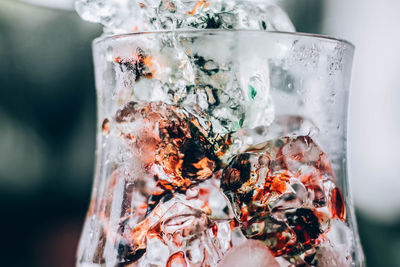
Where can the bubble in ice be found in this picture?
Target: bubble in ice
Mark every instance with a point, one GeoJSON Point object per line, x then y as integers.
{"type": "Point", "coordinates": [130, 15]}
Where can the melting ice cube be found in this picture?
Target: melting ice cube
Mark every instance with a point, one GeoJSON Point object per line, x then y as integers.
{"type": "Point", "coordinates": [131, 15]}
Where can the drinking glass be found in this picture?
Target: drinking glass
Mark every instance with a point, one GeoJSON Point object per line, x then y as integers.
{"type": "Point", "coordinates": [213, 141]}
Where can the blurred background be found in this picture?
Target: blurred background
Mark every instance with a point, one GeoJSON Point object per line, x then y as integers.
{"type": "Point", "coordinates": [48, 113]}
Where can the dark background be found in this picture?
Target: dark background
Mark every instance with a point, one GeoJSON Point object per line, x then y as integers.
{"type": "Point", "coordinates": [47, 136]}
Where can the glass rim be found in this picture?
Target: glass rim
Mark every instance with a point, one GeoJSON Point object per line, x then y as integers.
{"type": "Point", "coordinates": [322, 37]}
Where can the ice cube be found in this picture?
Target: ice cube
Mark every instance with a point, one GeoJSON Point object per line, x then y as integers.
{"type": "Point", "coordinates": [171, 143]}
{"type": "Point", "coordinates": [98, 11]}
{"type": "Point", "coordinates": [198, 80]}
{"type": "Point", "coordinates": [130, 15]}
{"type": "Point", "coordinates": [261, 16]}
{"type": "Point", "coordinates": [340, 236]}
{"type": "Point", "coordinates": [251, 253]}
{"type": "Point", "coordinates": [260, 111]}
{"type": "Point", "coordinates": [278, 19]}
{"type": "Point", "coordinates": [183, 227]}
{"type": "Point", "coordinates": [208, 197]}
{"type": "Point", "coordinates": [116, 16]}
{"type": "Point", "coordinates": [301, 151]}
{"type": "Point", "coordinates": [226, 14]}
{"type": "Point", "coordinates": [333, 255]}
{"type": "Point", "coordinates": [284, 194]}
{"type": "Point", "coordinates": [157, 252]}
{"type": "Point", "coordinates": [286, 125]}
{"type": "Point", "coordinates": [216, 89]}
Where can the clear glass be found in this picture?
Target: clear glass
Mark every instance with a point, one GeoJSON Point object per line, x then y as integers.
{"type": "Point", "coordinates": [209, 139]}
